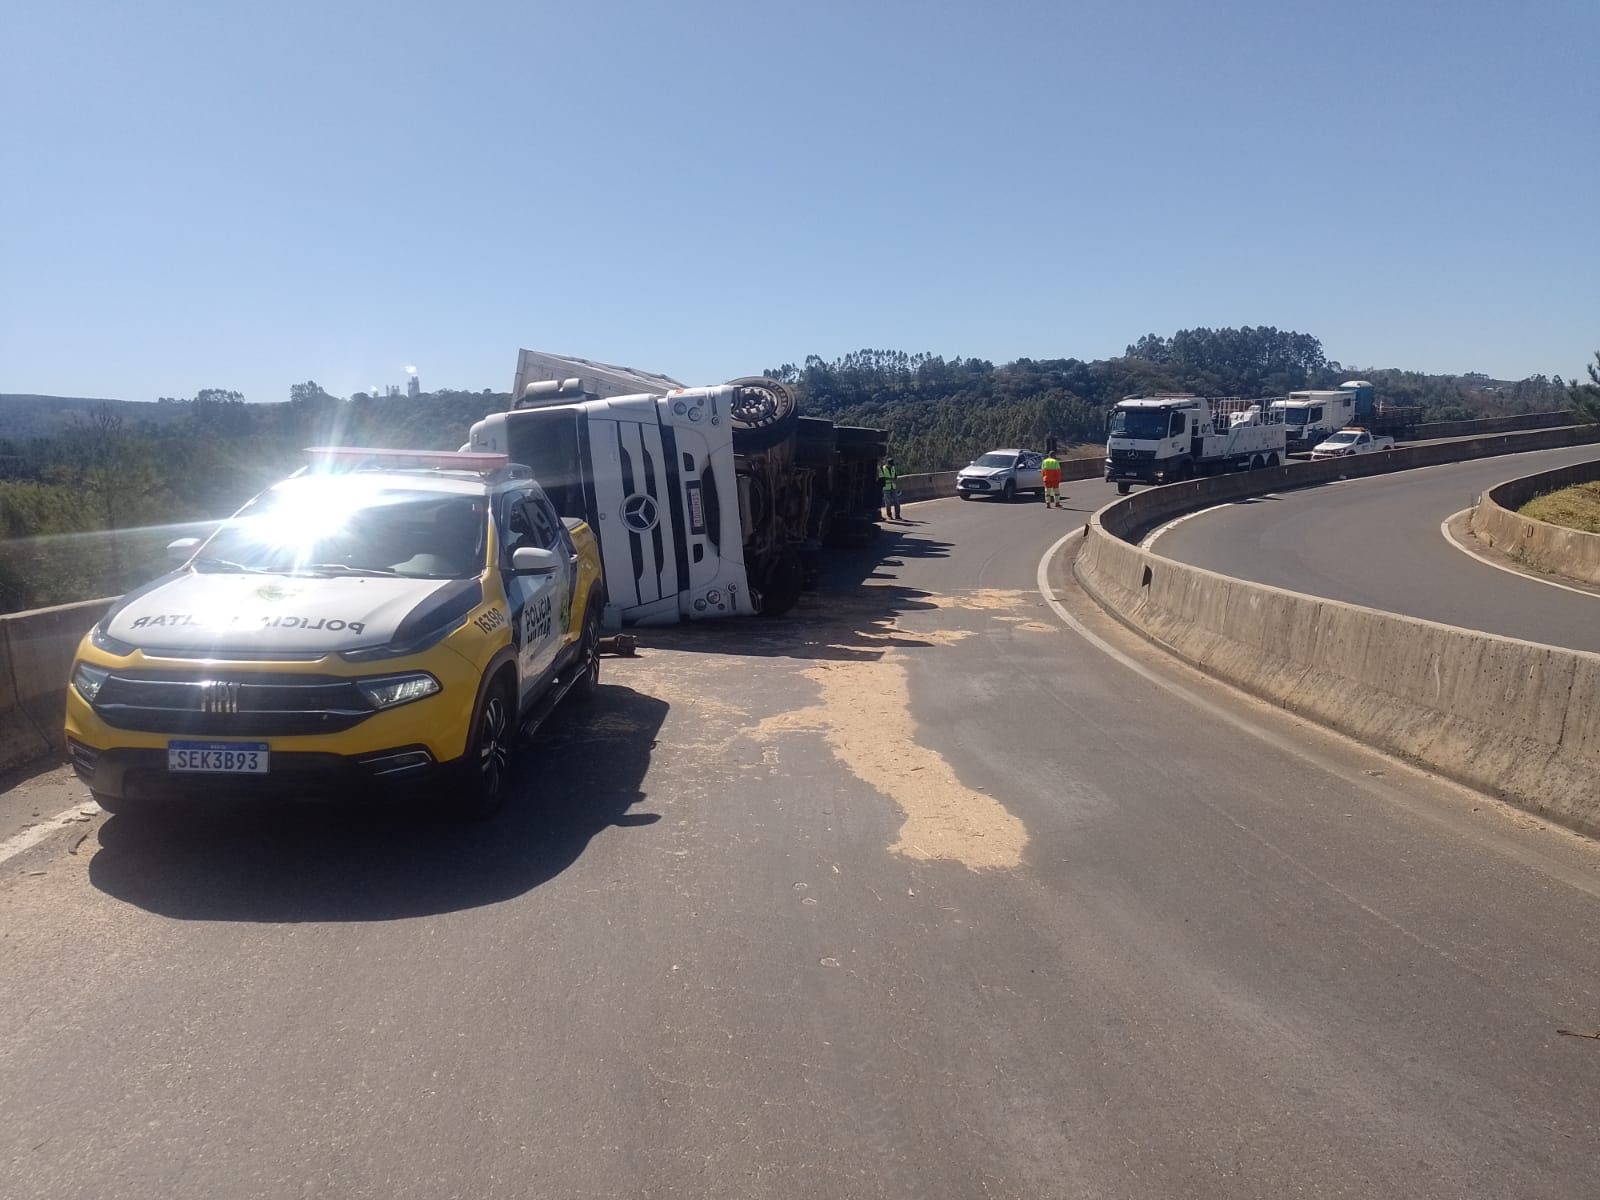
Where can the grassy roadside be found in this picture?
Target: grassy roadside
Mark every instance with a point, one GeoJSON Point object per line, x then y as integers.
{"type": "Point", "coordinates": [1575, 507]}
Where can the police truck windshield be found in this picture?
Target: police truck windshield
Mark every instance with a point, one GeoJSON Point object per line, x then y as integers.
{"type": "Point", "coordinates": [312, 530]}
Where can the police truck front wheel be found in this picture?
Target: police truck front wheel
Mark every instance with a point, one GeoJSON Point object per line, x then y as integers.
{"type": "Point", "coordinates": [588, 664]}
{"type": "Point", "coordinates": [486, 767]}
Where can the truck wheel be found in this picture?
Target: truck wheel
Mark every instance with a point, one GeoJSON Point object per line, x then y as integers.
{"type": "Point", "coordinates": [763, 411]}
{"type": "Point", "coordinates": [1123, 487]}
{"type": "Point", "coordinates": [1009, 492]}
{"type": "Point", "coordinates": [1256, 463]}
{"type": "Point", "coordinates": [486, 766]}
{"type": "Point", "coordinates": [785, 579]}
{"type": "Point", "coordinates": [1272, 459]}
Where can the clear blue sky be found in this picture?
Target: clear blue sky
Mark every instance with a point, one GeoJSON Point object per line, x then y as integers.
{"type": "Point", "coordinates": [228, 195]}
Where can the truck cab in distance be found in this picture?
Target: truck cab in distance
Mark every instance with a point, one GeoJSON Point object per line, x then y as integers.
{"type": "Point", "coordinates": [1156, 439]}
{"type": "Point", "coordinates": [1311, 417]}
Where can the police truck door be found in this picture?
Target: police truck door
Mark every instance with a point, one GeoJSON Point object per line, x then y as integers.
{"type": "Point", "coordinates": [537, 601]}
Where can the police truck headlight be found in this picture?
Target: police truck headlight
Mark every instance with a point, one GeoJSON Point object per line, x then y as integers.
{"type": "Point", "coordinates": [88, 680]}
{"type": "Point", "coordinates": [392, 690]}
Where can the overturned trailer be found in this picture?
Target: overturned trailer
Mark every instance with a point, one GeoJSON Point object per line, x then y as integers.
{"type": "Point", "coordinates": [707, 502]}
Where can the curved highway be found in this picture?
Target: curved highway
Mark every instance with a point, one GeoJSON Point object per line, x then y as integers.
{"type": "Point", "coordinates": [1377, 542]}
{"type": "Point", "coordinates": [935, 890]}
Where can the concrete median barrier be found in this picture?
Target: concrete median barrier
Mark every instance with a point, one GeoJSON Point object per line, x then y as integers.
{"type": "Point", "coordinates": [1483, 425]}
{"type": "Point", "coordinates": [36, 650]}
{"type": "Point", "coordinates": [1511, 718]}
{"type": "Point", "coordinates": [1571, 553]}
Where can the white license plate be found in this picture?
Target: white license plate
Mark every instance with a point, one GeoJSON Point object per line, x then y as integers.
{"type": "Point", "coordinates": [224, 758]}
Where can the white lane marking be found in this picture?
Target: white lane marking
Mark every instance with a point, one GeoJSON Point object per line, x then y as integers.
{"type": "Point", "coordinates": [1150, 538]}
{"type": "Point", "coordinates": [1444, 528]}
{"type": "Point", "coordinates": [31, 837]}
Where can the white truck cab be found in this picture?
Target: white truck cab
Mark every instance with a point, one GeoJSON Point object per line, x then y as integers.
{"type": "Point", "coordinates": [653, 475]}
{"type": "Point", "coordinates": [1156, 439]}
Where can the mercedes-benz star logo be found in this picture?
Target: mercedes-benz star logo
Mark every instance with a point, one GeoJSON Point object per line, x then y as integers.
{"type": "Point", "coordinates": [639, 513]}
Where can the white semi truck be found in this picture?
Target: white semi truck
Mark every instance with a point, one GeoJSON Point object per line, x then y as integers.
{"type": "Point", "coordinates": [707, 501]}
{"type": "Point", "coordinates": [1311, 417]}
{"type": "Point", "coordinates": [1156, 439]}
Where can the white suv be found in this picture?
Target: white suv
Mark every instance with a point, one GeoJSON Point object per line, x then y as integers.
{"type": "Point", "coordinates": [1001, 473]}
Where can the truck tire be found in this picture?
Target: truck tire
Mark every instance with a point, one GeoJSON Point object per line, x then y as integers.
{"type": "Point", "coordinates": [1123, 487]}
{"type": "Point", "coordinates": [763, 413]}
{"type": "Point", "coordinates": [1257, 463]}
{"type": "Point", "coordinates": [781, 585]}
{"type": "Point", "coordinates": [1272, 459]}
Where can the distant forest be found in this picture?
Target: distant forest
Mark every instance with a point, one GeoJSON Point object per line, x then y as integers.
{"type": "Point", "coordinates": [116, 475]}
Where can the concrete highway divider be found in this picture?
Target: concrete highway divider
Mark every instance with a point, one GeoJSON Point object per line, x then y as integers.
{"type": "Point", "coordinates": [36, 651]}
{"type": "Point", "coordinates": [1538, 544]}
{"type": "Point", "coordinates": [1485, 425]}
{"type": "Point", "coordinates": [1511, 718]}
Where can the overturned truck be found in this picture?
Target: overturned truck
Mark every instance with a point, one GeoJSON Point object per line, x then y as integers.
{"type": "Point", "coordinates": [707, 502]}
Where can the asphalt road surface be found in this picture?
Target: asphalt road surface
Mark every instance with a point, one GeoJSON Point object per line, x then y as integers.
{"type": "Point", "coordinates": [918, 894]}
{"type": "Point", "coordinates": [1377, 542]}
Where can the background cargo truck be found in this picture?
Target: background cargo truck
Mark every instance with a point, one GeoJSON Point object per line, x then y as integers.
{"type": "Point", "coordinates": [1311, 417]}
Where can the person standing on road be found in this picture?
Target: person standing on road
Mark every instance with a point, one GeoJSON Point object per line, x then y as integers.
{"type": "Point", "coordinates": [889, 476]}
{"type": "Point", "coordinates": [1051, 470]}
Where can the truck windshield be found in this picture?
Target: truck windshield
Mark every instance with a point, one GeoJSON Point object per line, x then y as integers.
{"type": "Point", "coordinates": [343, 528]}
{"type": "Point", "coordinates": [1295, 416]}
{"type": "Point", "coordinates": [1144, 424]}
{"type": "Point", "coordinates": [547, 441]}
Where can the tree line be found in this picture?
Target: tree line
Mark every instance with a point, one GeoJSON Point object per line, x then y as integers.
{"type": "Point", "coordinates": [89, 499]}
{"type": "Point", "coordinates": [941, 412]}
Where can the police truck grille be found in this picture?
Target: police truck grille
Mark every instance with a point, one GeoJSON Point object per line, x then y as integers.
{"type": "Point", "coordinates": [230, 704]}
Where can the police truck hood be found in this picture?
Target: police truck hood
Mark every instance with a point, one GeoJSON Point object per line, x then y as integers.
{"type": "Point", "coordinates": [201, 612]}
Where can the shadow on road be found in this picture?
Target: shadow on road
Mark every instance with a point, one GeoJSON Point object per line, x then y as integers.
{"type": "Point", "coordinates": [581, 775]}
{"type": "Point", "coordinates": [847, 618]}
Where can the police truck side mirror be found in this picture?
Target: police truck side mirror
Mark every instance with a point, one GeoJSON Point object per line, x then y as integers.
{"type": "Point", "coordinates": [534, 560]}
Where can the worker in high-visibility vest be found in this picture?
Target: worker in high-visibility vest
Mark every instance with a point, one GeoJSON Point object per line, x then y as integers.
{"type": "Point", "coordinates": [1051, 470]}
{"type": "Point", "coordinates": [889, 477]}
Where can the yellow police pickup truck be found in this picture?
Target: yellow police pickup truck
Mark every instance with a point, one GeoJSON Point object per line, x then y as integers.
{"type": "Point", "coordinates": [381, 620]}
